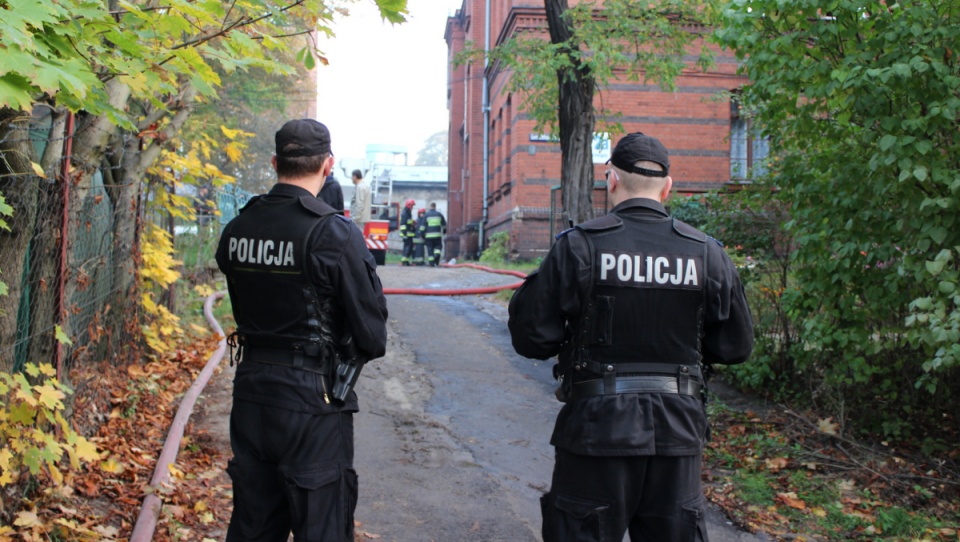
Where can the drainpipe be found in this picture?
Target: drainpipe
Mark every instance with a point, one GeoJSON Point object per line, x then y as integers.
{"type": "Point", "coordinates": [485, 99]}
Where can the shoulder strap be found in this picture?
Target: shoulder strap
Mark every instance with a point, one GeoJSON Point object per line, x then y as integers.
{"type": "Point", "coordinates": [249, 202]}
{"type": "Point", "coordinates": [605, 222]}
{"type": "Point", "coordinates": [689, 231]}
{"type": "Point", "coordinates": [316, 206]}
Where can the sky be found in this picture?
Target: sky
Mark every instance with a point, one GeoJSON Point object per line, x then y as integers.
{"type": "Point", "coordinates": [385, 84]}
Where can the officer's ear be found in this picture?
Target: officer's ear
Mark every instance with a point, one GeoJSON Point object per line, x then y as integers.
{"type": "Point", "coordinates": [273, 162]}
{"type": "Point", "coordinates": [328, 166]}
{"type": "Point", "coordinates": [665, 192]}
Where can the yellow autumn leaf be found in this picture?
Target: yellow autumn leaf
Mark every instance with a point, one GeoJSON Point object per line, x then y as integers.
{"type": "Point", "coordinates": [234, 134]}
{"type": "Point", "coordinates": [234, 153]}
{"type": "Point", "coordinates": [200, 506]}
{"type": "Point", "coordinates": [5, 456]}
{"type": "Point", "coordinates": [38, 169]}
{"type": "Point", "coordinates": [174, 471]}
{"type": "Point", "coordinates": [55, 475]}
{"type": "Point", "coordinates": [112, 466]}
{"type": "Point", "coordinates": [76, 527]}
{"type": "Point", "coordinates": [48, 370]}
{"type": "Point", "coordinates": [819, 512]}
{"type": "Point", "coordinates": [26, 397]}
{"type": "Point", "coordinates": [26, 519]}
{"type": "Point", "coordinates": [86, 450]}
{"type": "Point", "coordinates": [61, 336]}
{"type": "Point", "coordinates": [203, 290]}
{"type": "Point", "coordinates": [49, 396]}
{"type": "Point", "coordinates": [207, 518]}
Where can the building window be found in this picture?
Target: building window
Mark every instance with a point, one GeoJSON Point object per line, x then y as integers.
{"type": "Point", "coordinates": [748, 148]}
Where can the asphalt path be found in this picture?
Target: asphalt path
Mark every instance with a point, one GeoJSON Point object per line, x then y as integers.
{"type": "Point", "coordinates": [453, 434]}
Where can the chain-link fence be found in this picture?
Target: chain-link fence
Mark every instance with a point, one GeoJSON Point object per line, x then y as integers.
{"type": "Point", "coordinates": [57, 256]}
{"type": "Point", "coordinates": [70, 252]}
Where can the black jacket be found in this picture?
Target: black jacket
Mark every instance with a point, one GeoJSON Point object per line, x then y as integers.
{"type": "Point", "coordinates": [602, 258]}
{"type": "Point", "coordinates": [280, 246]}
{"type": "Point", "coordinates": [332, 194]}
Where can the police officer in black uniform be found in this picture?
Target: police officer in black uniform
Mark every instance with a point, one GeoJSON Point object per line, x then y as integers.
{"type": "Point", "coordinates": [332, 193]}
{"type": "Point", "coordinates": [634, 303]}
{"type": "Point", "coordinates": [310, 310]}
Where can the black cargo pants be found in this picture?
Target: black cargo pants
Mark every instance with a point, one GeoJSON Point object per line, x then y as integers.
{"type": "Point", "coordinates": [291, 471]}
{"type": "Point", "coordinates": [598, 499]}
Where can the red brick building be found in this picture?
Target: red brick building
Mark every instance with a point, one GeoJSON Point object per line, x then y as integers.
{"type": "Point", "coordinates": [523, 171]}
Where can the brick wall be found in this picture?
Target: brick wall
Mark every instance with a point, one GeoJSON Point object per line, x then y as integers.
{"type": "Point", "coordinates": [692, 121]}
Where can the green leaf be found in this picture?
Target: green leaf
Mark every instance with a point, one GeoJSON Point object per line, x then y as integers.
{"type": "Point", "coordinates": [934, 267]}
{"type": "Point", "coordinates": [22, 414]}
{"type": "Point", "coordinates": [32, 459]}
{"type": "Point", "coordinates": [920, 172]}
{"type": "Point", "coordinates": [62, 337]}
{"type": "Point", "coordinates": [887, 141]}
{"type": "Point", "coordinates": [393, 11]}
{"type": "Point", "coordinates": [938, 234]}
{"type": "Point", "coordinates": [15, 92]}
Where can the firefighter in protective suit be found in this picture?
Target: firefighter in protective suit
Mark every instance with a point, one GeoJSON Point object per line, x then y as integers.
{"type": "Point", "coordinates": [633, 303]}
{"type": "Point", "coordinates": [434, 226]}
{"type": "Point", "coordinates": [310, 311]}
{"type": "Point", "coordinates": [408, 230]}
{"type": "Point", "coordinates": [419, 241]}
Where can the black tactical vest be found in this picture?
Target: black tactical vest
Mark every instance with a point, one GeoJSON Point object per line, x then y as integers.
{"type": "Point", "coordinates": [264, 254]}
{"type": "Point", "coordinates": [646, 294]}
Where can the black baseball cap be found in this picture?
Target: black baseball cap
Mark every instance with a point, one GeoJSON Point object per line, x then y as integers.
{"type": "Point", "coordinates": [637, 147]}
{"type": "Point", "coordinates": [302, 137]}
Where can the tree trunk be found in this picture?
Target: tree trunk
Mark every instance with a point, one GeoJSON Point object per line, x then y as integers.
{"type": "Point", "coordinates": [138, 155]}
{"type": "Point", "coordinates": [45, 247]}
{"type": "Point", "coordinates": [94, 144]}
{"type": "Point", "coordinates": [44, 260]}
{"type": "Point", "coordinates": [575, 119]}
{"type": "Point", "coordinates": [20, 187]}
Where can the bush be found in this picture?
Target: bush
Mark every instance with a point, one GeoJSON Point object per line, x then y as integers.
{"type": "Point", "coordinates": [36, 438]}
{"type": "Point", "coordinates": [497, 250]}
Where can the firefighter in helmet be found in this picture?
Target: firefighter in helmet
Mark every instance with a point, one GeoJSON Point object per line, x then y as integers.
{"type": "Point", "coordinates": [408, 230]}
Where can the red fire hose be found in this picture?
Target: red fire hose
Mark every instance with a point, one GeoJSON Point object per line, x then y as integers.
{"type": "Point", "coordinates": [146, 524]}
{"type": "Point", "coordinates": [463, 291]}
{"type": "Point", "coordinates": [150, 512]}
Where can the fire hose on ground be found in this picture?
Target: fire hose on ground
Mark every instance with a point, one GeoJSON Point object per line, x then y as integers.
{"type": "Point", "coordinates": [150, 512]}
{"type": "Point", "coordinates": [149, 515]}
{"type": "Point", "coordinates": [463, 291]}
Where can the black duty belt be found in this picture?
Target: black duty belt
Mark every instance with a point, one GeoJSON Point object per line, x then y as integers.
{"type": "Point", "coordinates": [635, 384]}
{"type": "Point", "coordinates": [287, 357]}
